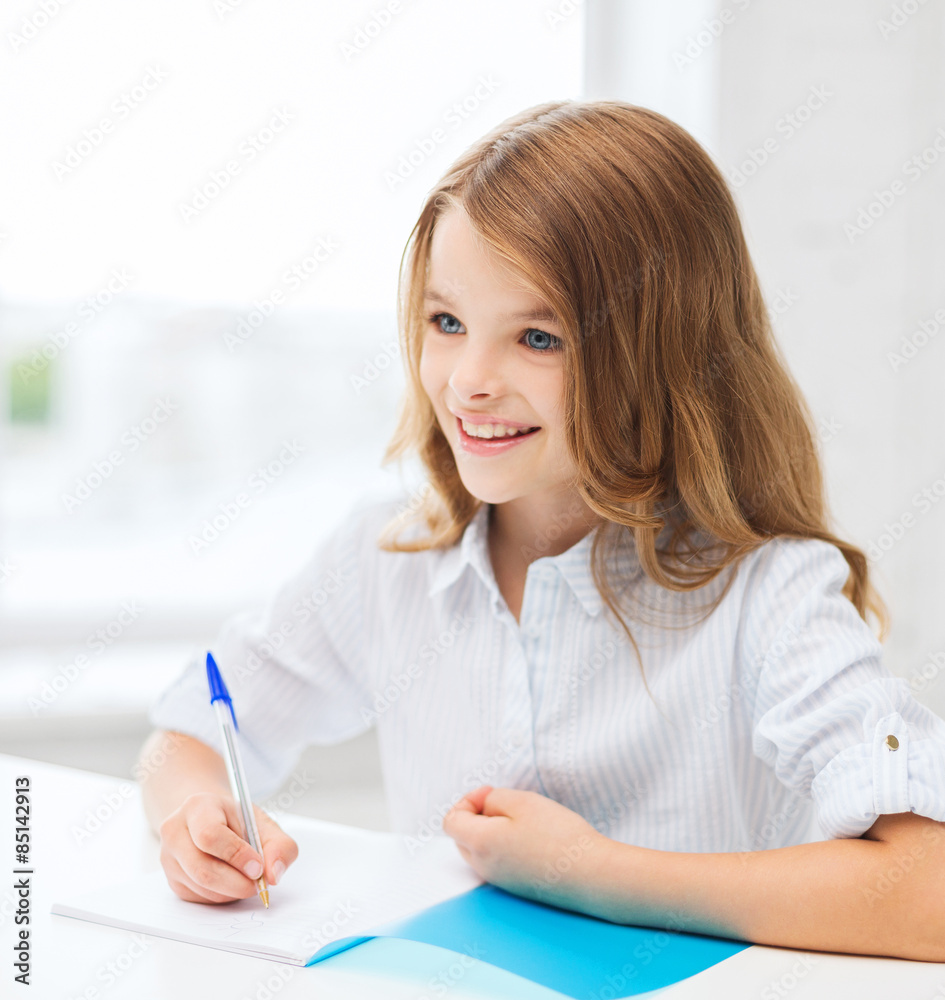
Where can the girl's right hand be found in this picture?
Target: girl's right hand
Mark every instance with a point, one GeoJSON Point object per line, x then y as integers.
{"type": "Point", "coordinates": [206, 862]}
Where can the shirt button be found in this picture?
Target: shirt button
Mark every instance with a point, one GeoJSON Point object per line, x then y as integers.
{"type": "Point", "coordinates": [892, 742]}
{"type": "Point", "coordinates": [534, 631]}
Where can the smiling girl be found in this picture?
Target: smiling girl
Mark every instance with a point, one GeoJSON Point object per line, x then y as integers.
{"type": "Point", "coordinates": [616, 652]}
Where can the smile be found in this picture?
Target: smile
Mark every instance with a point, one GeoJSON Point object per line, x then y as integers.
{"type": "Point", "coordinates": [493, 444]}
{"type": "Point", "coordinates": [488, 431]}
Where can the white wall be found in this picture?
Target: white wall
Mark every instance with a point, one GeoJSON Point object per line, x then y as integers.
{"type": "Point", "coordinates": [364, 83]}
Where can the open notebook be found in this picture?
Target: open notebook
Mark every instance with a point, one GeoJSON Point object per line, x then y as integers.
{"type": "Point", "coordinates": [350, 885]}
{"type": "Point", "coordinates": [345, 882]}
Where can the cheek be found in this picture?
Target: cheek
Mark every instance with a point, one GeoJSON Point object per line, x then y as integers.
{"type": "Point", "coordinates": [431, 374]}
{"type": "Point", "coordinates": [549, 403]}
{"type": "Point", "coordinates": [553, 415]}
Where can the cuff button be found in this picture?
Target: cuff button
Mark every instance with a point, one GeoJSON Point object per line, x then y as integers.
{"type": "Point", "coordinates": [892, 742]}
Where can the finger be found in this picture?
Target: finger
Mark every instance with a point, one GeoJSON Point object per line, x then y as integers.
{"type": "Point", "coordinates": [187, 894]}
{"type": "Point", "coordinates": [184, 887]}
{"type": "Point", "coordinates": [465, 827]}
{"type": "Point", "coordinates": [502, 801]}
{"type": "Point", "coordinates": [475, 799]}
{"type": "Point", "coordinates": [471, 802]}
{"type": "Point", "coordinates": [212, 826]}
{"type": "Point", "coordinates": [209, 874]}
{"type": "Point", "coordinates": [208, 851]}
{"type": "Point", "coordinates": [469, 805]}
{"type": "Point", "coordinates": [279, 849]}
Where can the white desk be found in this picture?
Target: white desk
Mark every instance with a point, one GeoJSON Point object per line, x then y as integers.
{"type": "Point", "coordinates": [71, 958]}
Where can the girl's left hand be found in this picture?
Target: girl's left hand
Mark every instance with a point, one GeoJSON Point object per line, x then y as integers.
{"type": "Point", "coordinates": [528, 844]}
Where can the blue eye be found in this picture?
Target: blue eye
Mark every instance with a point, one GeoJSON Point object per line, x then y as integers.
{"type": "Point", "coordinates": [536, 340]}
{"type": "Point", "coordinates": [541, 341]}
{"type": "Point", "coordinates": [436, 317]}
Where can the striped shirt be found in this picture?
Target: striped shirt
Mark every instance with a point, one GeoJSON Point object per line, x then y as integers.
{"type": "Point", "coordinates": [772, 722]}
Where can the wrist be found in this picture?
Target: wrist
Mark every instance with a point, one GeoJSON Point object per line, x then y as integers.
{"type": "Point", "coordinates": [587, 875]}
{"type": "Point", "coordinates": [608, 862]}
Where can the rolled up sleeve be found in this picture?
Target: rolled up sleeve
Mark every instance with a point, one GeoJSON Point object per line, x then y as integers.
{"type": "Point", "coordinates": [828, 717]}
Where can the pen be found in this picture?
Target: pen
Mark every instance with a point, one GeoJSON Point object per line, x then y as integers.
{"type": "Point", "coordinates": [234, 763]}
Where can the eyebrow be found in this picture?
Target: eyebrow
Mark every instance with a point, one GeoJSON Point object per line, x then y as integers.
{"type": "Point", "coordinates": [542, 314]}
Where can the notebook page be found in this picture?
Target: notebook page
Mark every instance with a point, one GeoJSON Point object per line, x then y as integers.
{"type": "Point", "coordinates": [148, 905]}
{"type": "Point", "coordinates": [345, 882]}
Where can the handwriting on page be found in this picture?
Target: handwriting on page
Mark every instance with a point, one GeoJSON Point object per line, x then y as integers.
{"type": "Point", "coordinates": [235, 924]}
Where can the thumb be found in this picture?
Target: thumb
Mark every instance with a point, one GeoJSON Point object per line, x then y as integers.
{"type": "Point", "coordinates": [278, 848]}
{"type": "Point", "coordinates": [474, 801]}
{"type": "Point", "coordinates": [466, 816]}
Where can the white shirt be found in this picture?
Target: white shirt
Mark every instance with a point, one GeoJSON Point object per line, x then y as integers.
{"type": "Point", "coordinates": [775, 711]}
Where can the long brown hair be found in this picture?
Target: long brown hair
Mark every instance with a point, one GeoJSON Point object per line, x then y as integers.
{"type": "Point", "coordinates": [681, 414]}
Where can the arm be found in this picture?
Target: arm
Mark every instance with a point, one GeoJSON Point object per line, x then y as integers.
{"type": "Point", "coordinates": [171, 767]}
{"type": "Point", "coordinates": [187, 800]}
{"type": "Point", "coordinates": [881, 894]}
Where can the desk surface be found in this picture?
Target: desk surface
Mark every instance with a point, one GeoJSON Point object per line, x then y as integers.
{"type": "Point", "coordinates": [84, 824]}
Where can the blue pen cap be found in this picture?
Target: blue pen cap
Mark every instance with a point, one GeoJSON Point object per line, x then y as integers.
{"type": "Point", "coordinates": [218, 687]}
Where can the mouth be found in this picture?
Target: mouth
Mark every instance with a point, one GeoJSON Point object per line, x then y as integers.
{"type": "Point", "coordinates": [490, 445]}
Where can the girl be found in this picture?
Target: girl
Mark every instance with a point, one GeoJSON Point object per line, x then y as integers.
{"type": "Point", "coordinates": [612, 647]}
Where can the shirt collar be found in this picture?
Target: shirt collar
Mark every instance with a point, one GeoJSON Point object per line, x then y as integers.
{"type": "Point", "coordinates": [573, 564]}
{"type": "Point", "coordinates": [472, 550]}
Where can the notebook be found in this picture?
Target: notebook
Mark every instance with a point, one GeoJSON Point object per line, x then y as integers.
{"type": "Point", "coordinates": [351, 885]}
{"type": "Point", "coordinates": [345, 881]}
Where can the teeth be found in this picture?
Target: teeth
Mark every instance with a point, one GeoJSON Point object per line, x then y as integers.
{"type": "Point", "coordinates": [491, 430]}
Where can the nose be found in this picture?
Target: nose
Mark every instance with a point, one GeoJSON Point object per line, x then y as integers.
{"type": "Point", "coordinates": [478, 370]}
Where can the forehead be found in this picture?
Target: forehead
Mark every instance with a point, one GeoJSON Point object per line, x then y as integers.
{"type": "Point", "coordinates": [461, 267]}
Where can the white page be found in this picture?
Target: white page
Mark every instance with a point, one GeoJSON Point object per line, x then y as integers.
{"type": "Point", "coordinates": [345, 882]}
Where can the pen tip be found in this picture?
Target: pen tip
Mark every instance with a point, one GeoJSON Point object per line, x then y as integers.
{"type": "Point", "coordinates": [264, 895]}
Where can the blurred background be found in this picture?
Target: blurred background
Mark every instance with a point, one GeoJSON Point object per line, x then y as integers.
{"type": "Point", "coordinates": [204, 207]}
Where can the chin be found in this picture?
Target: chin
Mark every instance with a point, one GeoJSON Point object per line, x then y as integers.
{"type": "Point", "coordinates": [489, 492]}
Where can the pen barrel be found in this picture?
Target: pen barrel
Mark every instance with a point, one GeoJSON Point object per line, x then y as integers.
{"type": "Point", "coordinates": [238, 783]}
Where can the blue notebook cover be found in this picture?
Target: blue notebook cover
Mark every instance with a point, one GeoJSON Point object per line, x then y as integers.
{"type": "Point", "coordinates": [579, 956]}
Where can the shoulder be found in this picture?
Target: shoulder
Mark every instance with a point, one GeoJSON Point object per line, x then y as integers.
{"type": "Point", "coordinates": [376, 513]}
{"type": "Point", "coordinates": [789, 567]}
{"type": "Point", "coordinates": [344, 563]}
{"type": "Point", "coordinates": [356, 534]}
{"type": "Point", "coordinates": [372, 512]}
{"type": "Point", "coordinates": [778, 575]}
{"type": "Point", "coordinates": [796, 585]}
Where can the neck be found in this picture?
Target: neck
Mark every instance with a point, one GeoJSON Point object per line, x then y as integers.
{"type": "Point", "coordinates": [531, 528]}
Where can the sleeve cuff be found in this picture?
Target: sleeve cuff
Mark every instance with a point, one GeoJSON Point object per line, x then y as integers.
{"type": "Point", "coordinates": [891, 774]}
